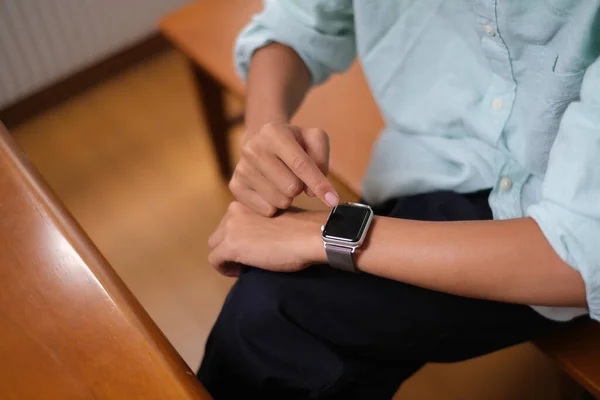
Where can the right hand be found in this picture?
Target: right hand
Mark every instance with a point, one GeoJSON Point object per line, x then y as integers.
{"type": "Point", "coordinates": [277, 163]}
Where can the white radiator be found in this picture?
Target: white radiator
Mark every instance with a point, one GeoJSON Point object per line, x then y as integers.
{"type": "Point", "coordinates": [42, 41]}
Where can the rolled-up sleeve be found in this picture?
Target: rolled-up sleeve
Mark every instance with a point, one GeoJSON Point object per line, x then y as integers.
{"type": "Point", "coordinates": [569, 213]}
{"type": "Point", "coordinates": [320, 31]}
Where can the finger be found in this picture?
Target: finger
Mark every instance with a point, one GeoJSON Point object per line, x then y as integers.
{"type": "Point", "coordinates": [230, 269]}
{"type": "Point", "coordinates": [250, 198]}
{"type": "Point", "coordinates": [258, 204]}
{"type": "Point", "coordinates": [316, 144]}
{"type": "Point", "coordinates": [261, 157]}
{"type": "Point", "coordinates": [219, 234]}
{"type": "Point", "coordinates": [217, 237]}
{"type": "Point", "coordinates": [284, 180]}
{"type": "Point", "coordinates": [218, 259]}
{"type": "Point", "coordinates": [266, 188]}
{"type": "Point", "coordinates": [299, 162]}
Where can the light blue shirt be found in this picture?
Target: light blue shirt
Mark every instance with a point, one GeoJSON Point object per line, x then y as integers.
{"type": "Point", "coordinates": [475, 94]}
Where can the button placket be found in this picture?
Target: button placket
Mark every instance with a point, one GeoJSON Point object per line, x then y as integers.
{"type": "Point", "coordinates": [495, 107]}
{"type": "Point", "coordinates": [492, 43]}
{"type": "Point", "coordinates": [507, 191]}
{"type": "Point", "coordinates": [500, 97]}
{"type": "Point", "coordinates": [489, 29]}
{"type": "Point", "coordinates": [497, 104]}
{"type": "Point", "coordinates": [506, 183]}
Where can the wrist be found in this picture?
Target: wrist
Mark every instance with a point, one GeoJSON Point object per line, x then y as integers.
{"type": "Point", "coordinates": [311, 245]}
{"type": "Point", "coordinates": [254, 125]}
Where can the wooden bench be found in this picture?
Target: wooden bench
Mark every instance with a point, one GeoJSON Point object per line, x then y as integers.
{"type": "Point", "coordinates": [205, 32]}
{"type": "Point", "coordinates": [69, 327]}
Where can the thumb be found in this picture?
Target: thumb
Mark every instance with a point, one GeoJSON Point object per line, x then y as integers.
{"type": "Point", "coordinates": [316, 145]}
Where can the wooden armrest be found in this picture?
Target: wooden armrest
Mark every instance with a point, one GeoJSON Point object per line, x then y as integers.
{"type": "Point", "coordinates": [70, 328]}
{"type": "Point", "coordinates": [577, 351]}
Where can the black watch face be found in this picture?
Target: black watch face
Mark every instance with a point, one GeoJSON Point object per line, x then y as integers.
{"type": "Point", "coordinates": [346, 222]}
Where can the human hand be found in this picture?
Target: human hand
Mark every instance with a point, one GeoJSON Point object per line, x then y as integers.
{"type": "Point", "coordinates": [287, 242]}
{"type": "Point", "coordinates": [277, 163]}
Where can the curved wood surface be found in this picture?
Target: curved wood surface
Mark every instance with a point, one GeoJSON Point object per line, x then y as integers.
{"type": "Point", "coordinates": [577, 351]}
{"type": "Point", "coordinates": [70, 328]}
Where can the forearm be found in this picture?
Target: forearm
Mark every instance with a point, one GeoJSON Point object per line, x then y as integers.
{"type": "Point", "coordinates": [508, 261]}
{"type": "Point", "coordinates": [277, 82]}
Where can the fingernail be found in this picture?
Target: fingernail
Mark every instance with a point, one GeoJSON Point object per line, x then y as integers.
{"type": "Point", "coordinates": [331, 199]}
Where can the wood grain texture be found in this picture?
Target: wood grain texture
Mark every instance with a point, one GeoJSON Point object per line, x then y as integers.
{"type": "Point", "coordinates": [132, 163]}
{"type": "Point", "coordinates": [70, 327]}
{"type": "Point", "coordinates": [577, 352]}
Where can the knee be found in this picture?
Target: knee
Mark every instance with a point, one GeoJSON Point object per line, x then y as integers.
{"type": "Point", "coordinates": [260, 335]}
{"type": "Point", "coordinates": [252, 308]}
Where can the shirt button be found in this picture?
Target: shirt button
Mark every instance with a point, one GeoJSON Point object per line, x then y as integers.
{"type": "Point", "coordinates": [489, 30]}
{"type": "Point", "coordinates": [505, 183]}
{"type": "Point", "coordinates": [497, 104]}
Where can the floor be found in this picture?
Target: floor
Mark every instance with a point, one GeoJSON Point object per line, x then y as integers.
{"type": "Point", "coordinates": [130, 158]}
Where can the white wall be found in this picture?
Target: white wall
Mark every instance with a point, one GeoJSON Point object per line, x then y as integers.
{"type": "Point", "coordinates": [42, 41]}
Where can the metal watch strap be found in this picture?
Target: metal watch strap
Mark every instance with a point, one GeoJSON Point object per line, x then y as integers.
{"type": "Point", "coordinates": [341, 257]}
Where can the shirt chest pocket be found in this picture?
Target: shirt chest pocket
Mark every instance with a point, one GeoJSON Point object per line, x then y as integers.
{"type": "Point", "coordinates": [554, 85]}
{"type": "Point", "coordinates": [562, 7]}
{"type": "Point", "coordinates": [544, 97]}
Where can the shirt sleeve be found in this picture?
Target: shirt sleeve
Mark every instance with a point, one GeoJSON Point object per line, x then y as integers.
{"type": "Point", "coordinates": [320, 31]}
{"type": "Point", "coordinates": [569, 212]}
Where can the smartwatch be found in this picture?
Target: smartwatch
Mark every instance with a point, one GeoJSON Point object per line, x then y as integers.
{"type": "Point", "coordinates": [344, 232]}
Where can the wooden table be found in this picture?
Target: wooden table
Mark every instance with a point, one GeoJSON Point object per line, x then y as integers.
{"type": "Point", "coordinates": [69, 327]}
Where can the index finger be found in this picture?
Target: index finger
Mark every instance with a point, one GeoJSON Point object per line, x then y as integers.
{"type": "Point", "coordinates": [299, 162]}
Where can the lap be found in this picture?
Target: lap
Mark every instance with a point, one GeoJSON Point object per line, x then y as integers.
{"type": "Point", "coordinates": [370, 317]}
{"type": "Point", "coordinates": [322, 326]}
{"type": "Point", "coordinates": [367, 316]}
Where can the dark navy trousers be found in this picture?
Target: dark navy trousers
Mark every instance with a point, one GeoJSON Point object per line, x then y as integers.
{"type": "Point", "coordinates": [327, 334]}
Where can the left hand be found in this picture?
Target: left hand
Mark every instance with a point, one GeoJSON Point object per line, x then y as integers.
{"type": "Point", "coordinates": [287, 242]}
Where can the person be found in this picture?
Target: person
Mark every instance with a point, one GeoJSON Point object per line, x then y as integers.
{"type": "Point", "coordinates": [485, 183]}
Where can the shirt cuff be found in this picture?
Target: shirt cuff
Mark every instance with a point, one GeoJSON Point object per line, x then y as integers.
{"type": "Point", "coordinates": [575, 240]}
{"type": "Point", "coordinates": [322, 53]}
{"type": "Point", "coordinates": [251, 39]}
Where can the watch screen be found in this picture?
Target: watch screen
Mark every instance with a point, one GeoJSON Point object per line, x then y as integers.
{"type": "Point", "coordinates": [346, 222]}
